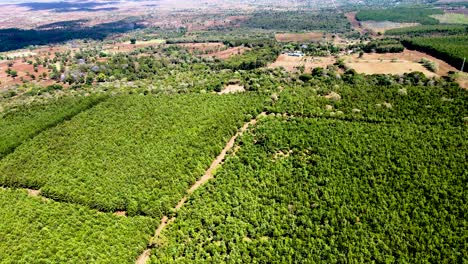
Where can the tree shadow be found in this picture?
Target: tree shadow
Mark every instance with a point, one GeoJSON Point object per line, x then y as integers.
{"type": "Point", "coordinates": [63, 7]}
{"type": "Point", "coordinates": [14, 38]}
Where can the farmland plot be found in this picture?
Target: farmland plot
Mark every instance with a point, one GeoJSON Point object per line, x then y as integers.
{"type": "Point", "coordinates": [133, 153]}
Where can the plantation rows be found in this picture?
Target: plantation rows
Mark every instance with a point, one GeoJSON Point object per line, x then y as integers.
{"type": "Point", "coordinates": [382, 184]}
{"type": "Point", "coordinates": [452, 49]}
{"type": "Point", "coordinates": [35, 231]}
{"type": "Point", "coordinates": [401, 14]}
{"type": "Point", "coordinates": [378, 99]}
{"type": "Point", "coordinates": [429, 30]}
{"type": "Point", "coordinates": [134, 153]}
{"type": "Point", "coordinates": [329, 191]}
{"type": "Point", "coordinates": [21, 123]}
{"type": "Point", "coordinates": [299, 21]}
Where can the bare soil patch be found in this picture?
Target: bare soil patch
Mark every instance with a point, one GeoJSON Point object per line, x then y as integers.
{"type": "Point", "coordinates": [396, 63]}
{"type": "Point", "coordinates": [291, 63]}
{"type": "Point", "coordinates": [232, 88]}
{"type": "Point", "coordinates": [356, 25]}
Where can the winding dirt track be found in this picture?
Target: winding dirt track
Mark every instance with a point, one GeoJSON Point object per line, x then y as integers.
{"type": "Point", "coordinates": [144, 257]}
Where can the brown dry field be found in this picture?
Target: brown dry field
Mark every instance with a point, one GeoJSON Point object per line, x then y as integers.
{"type": "Point", "coordinates": [406, 61]}
{"type": "Point", "coordinates": [355, 24]}
{"type": "Point", "coordinates": [302, 37]}
{"type": "Point", "coordinates": [291, 63]}
{"type": "Point", "coordinates": [22, 69]}
{"type": "Point", "coordinates": [225, 54]}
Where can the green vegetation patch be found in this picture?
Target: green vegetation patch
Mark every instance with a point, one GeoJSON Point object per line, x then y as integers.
{"type": "Point", "coordinates": [378, 99]}
{"type": "Point", "coordinates": [135, 153]}
{"type": "Point", "coordinates": [401, 14]}
{"type": "Point", "coordinates": [451, 18]}
{"type": "Point", "coordinates": [429, 30]}
{"type": "Point", "coordinates": [37, 231]}
{"type": "Point", "coordinates": [299, 21]}
{"type": "Point", "coordinates": [329, 191]}
{"type": "Point", "coordinates": [21, 123]}
{"type": "Point", "coordinates": [452, 49]}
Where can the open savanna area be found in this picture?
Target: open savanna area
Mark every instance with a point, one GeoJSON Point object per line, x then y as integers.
{"type": "Point", "coordinates": [292, 64]}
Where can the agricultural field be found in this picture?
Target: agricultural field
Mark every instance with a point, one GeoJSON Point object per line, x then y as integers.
{"type": "Point", "coordinates": [302, 37]}
{"type": "Point", "coordinates": [429, 30]}
{"type": "Point", "coordinates": [293, 64]}
{"type": "Point", "coordinates": [45, 231]}
{"type": "Point", "coordinates": [401, 15]}
{"type": "Point", "coordinates": [317, 190]}
{"type": "Point", "coordinates": [132, 153]}
{"type": "Point", "coordinates": [411, 98]}
{"type": "Point", "coordinates": [299, 21]}
{"type": "Point", "coordinates": [233, 132]}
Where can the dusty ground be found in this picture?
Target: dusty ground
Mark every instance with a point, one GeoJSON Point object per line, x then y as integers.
{"type": "Point", "coordinates": [232, 88]}
{"type": "Point", "coordinates": [462, 80]}
{"type": "Point", "coordinates": [24, 70]}
{"type": "Point", "coordinates": [290, 63]}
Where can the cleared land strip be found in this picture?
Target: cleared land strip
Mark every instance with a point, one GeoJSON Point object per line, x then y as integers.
{"type": "Point", "coordinates": [165, 220]}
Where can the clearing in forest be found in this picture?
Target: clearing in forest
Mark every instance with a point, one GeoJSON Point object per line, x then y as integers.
{"type": "Point", "coordinates": [291, 63]}
{"type": "Point", "coordinates": [382, 26]}
{"type": "Point", "coordinates": [396, 63]}
{"type": "Point", "coordinates": [227, 53]}
{"type": "Point", "coordinates": [303, 37]}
